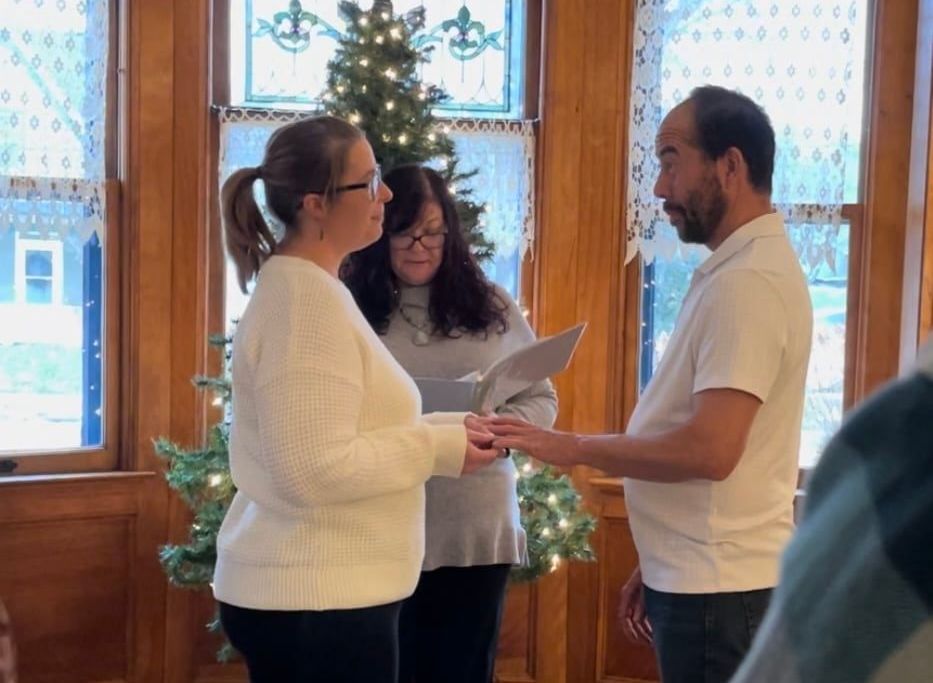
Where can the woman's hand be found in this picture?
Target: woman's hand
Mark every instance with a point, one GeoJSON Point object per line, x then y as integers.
{"type": "Point", "coordinates": [476, 456]}
{"type": "Point", "coordinates": [478, 423]}
{"type": "Point", "coordinates": [479, 451]}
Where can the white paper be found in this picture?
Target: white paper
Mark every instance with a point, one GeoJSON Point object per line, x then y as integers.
{"type": "Point", "coordinates": [488, 390]}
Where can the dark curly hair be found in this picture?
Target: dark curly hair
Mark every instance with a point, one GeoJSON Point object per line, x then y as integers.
{"type": "Point", "coordinates": [462, 297]}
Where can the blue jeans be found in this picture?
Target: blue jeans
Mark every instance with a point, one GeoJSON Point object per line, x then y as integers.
{"type": "Point", "coordinates": [702, 638]}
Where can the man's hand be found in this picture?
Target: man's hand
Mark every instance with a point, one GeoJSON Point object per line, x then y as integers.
{"type": "Point", "coordinates": [547, 445]}
{"type": "Point", "coordinates": [632, 613]}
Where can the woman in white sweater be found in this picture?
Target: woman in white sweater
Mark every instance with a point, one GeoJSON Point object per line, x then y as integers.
{"type": "Point", "coordinates": [328, 449]}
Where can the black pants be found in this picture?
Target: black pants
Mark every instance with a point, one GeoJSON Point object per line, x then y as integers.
{"type": "Point", "coordinates": [335, 646]}
{"type": "Point", "coordinates": [703, 638]}
{"type": "Point", "coordinates": [450, 626]}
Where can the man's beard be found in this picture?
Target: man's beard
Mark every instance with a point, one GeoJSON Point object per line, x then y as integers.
{"type": "Point", "coordinates": [702, 213]}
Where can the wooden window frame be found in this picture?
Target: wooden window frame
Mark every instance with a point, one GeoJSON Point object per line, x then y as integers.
{"type": "Point", "coordinates": [220, 95]}
{"type": "Point", "coordinates": [853, 213]}
{"type": "Point", "coordinates": [109, 454]}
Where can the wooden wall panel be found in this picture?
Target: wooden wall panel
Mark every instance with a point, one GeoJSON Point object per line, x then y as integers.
{"type": "Point", "coordinates": [190, 649]}
{"type": "Point", "coordinates": [68, 594]}
{"type": "Point", "coordinates": [617, 659]}
{"type": "Point", "coordinates": [69, 575]}
{"type": "Point", "coordinates": [515, 658]}
{"type": "Point", "coordinates": [579, 273]}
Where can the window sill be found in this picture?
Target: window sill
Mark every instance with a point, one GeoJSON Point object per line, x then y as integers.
{"type": "Point", "coordinates": [77, 461]}
{"type": "Point", "coordinates": [72, 477]}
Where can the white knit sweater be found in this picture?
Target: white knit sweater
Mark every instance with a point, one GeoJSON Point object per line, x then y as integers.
{"type": "Point", "coordinates": [328, 451]}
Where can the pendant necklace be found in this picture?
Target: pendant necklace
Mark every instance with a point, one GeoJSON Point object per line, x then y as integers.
{"type": "Point", "coordinates": [420, 336]}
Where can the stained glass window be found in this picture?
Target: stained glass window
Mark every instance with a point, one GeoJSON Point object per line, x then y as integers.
{"type": "Point", "coordinates": [279, 52]}
{"type": "Point", "coordinates": [278, 56]}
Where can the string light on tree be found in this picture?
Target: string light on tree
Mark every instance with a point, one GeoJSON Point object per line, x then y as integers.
{"type": "Point", "coordinates": [200, 476]}
{"type": "Point", "coordinates": [399, 133]}
{"type": "Point", "coordinates": [556, 526]}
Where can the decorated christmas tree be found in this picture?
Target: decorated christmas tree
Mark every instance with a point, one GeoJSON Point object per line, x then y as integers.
{"type": "Point", "coordinates": [374, 82]}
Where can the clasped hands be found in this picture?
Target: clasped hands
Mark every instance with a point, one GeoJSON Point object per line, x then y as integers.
{"type": "Point", "coordinates": [492, 436]}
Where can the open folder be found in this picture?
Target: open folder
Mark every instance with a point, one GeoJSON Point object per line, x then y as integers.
{"type": "Point", "coordinates": [482, 392]}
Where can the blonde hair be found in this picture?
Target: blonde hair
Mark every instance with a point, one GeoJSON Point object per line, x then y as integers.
{"type": "Point", "coordinates": [300, 158]}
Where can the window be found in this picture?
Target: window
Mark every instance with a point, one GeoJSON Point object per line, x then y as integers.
{"type": "Point", "coordinates": [38, 271]}
{"type": "Point", "coordinates": [277, 54]}
{"type": "Point", "coordinates": [804, 62]}
{"type": "Point", "coordinates": [54, 132]}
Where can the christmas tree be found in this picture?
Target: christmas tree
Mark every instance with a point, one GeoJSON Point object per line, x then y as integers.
{"type": "Point", "coordinates": [556, 527]}
{"type": "Point", "coordinates": [201, 476]}
{"type": "Point", "coordinates": [373, 82]}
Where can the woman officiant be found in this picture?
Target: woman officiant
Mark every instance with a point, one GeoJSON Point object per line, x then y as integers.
{"type": "Point", "coordinates": [423, 292]}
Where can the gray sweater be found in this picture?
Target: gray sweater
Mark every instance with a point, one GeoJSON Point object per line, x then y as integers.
{"type": "Point", "coordinates": [473, 520]}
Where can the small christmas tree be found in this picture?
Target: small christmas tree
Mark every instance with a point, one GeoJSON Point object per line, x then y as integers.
{"type": "Point", "coordinates": [201, 476]}
{"type": "Point", "coordinates": [373, 82]}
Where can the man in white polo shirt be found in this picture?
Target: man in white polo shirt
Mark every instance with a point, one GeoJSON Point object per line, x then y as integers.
{"type": "Point", "coordinates": [710, 454]}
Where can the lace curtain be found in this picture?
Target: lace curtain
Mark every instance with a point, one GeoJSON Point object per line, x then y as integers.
{"type": "Point", "coordinates": [801, 60]}
{"type": "Point", "coordinates": [53, 57]}
{"type": "Point", "coordinates": [502, 153]}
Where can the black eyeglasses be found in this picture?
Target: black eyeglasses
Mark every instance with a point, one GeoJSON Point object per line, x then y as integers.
{"type": "Point", "coordinates": [372, 185]}
{"type": "Point", "coordinates": [429, 240]}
